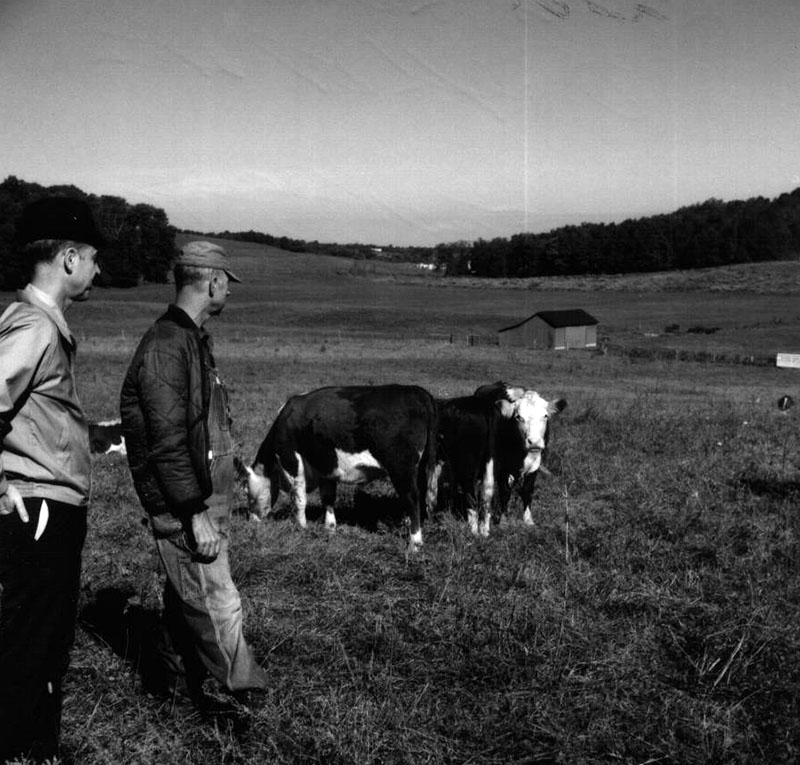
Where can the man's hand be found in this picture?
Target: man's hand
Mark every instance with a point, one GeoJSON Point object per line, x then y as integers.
{"type": "Point", "coordinates": [206, 536]}
{"type": "Point", "coordinates": [11, 502]}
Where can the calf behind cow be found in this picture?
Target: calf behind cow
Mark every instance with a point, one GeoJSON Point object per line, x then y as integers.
{"type": "Point", "coordinates": [492, 441]}
{"type": "Point", "coordinates": [352, 434]}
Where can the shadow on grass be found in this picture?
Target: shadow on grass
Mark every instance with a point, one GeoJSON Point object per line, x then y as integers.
{"type": "Point", "coordinates": [131, 631]}
{"type": "Point", "coordinates": [370, 510]}
{"type": "Point", "coordinates": [769, 486]}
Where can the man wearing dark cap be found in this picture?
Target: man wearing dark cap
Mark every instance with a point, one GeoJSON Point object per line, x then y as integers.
{"type": "Point", "coordinates": [44, 474]}
{"type": "Point", "coordinates": [176, 421]}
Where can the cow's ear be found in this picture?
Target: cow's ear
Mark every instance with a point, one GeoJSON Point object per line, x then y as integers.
{"type": "Point", "coordinates": [506, 408]}
{"type": "Point", "coordinates": [556, 407]}
{"type": "Point", "coordinates": [514, 394]}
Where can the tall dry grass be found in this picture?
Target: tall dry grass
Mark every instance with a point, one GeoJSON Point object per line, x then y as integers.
{"type": "Point", "coordinates": [649, 615]}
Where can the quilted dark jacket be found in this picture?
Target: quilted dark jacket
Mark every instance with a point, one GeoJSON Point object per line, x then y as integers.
{"type": "Point", "coordinates": [164, 409]}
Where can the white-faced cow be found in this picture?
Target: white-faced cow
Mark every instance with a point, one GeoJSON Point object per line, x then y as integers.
{"type": "Point", "coordinates": [524, 432]}
{"type": "Point", "coordinates": [491, 441]}
{"type": "Point", "coordinates": [352, 434]}
{"type": "Point", "coordinates": [106, 437]}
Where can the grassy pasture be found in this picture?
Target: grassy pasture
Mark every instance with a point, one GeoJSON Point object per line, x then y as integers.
{"type": "Point", "coordinates": [650, 615]}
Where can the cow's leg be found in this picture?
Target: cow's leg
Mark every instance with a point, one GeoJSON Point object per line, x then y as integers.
{"type": "Point", "coordinates": [299, 493]}
{"type": "Point", "coordinates": [472, 514]}
{"type": "Point", "coordinates": [526, 495]}
{"type": "Point", "coordinates": [485, 498]}
{"type": "Point", "coordinates": [502, 493]}
{"type": "Point", "coordinates": [466, 493]}
{"type": "Point", "coordinates": [471, 492]}
{"type": "Point", "coordinates": [428, 487]}
{"type": "Point", "coordinates": [327, 494]}
{"type": "Point", "coordinates": [405, 484]}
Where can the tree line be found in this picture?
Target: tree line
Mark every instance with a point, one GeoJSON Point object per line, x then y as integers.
{"type": "Point", "coordinates": [712, 233]}
{"type": "Point", "coordinates": [141, 241]}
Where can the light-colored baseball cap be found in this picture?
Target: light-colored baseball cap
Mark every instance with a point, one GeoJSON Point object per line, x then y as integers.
{"type": "Point", "coordinates": [206, 255]}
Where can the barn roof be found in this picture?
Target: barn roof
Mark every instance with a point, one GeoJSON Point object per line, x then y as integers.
{"type": "Point", "coordinates": [575, 317]}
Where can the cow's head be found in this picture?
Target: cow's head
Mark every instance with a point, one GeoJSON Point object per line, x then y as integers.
{"type": "Point", "coordinates": [531, 414]}
{"type": "Point", "coordinates": [262, 491]}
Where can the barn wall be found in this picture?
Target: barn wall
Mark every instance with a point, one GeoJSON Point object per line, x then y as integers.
{"type": "Point", "coordinates": [575, 337]}
{"type": "Point", "coordinates": [532, 334]}
{"type": "Point", "coordinates": [537, 334]}
{"type": "Point", "coordinates": [541, 334]}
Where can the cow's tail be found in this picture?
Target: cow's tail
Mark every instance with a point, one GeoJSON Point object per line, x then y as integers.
{"type": "Point", "coordinates": [429, 468]}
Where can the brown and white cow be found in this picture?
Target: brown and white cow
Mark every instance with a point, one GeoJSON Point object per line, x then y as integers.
{"type": "Point", "coordinates": [492, 441]}
{"type": "Point", "coordinates": [106, 437]}
{"type": "Point", "coordinates": [351, 434]}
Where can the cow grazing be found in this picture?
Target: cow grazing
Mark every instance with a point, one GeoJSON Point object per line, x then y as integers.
{"type": "Point", "coordinates": [106, 437]}
{"type": "Point", "coordinates": [492, 440]}
{"type": "Point", "coordinates": [352, 434]}
{"type": "Point", "coordinates": [785, 403]}
{"type": "Point", "coordinates": [524, 432]}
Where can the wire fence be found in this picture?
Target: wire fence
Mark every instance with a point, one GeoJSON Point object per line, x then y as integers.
{"type": "Point", "coordinates": [684, 354]}
{"type": "Point", "coordinates": [477, 340]}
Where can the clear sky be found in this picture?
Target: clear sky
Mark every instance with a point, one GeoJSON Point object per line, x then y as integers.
{"type": "Point", "coordinates": [402, 121]}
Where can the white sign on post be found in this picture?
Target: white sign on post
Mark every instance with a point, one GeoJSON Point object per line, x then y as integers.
{"type": "Point", "coordinates": [791, 360]}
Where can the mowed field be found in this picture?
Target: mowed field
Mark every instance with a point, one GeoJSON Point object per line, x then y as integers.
{"type": "Point", "coordinates": [650, 615]}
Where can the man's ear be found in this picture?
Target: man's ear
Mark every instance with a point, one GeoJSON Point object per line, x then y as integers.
{"type": "Point", "coordinates": [71, 255]}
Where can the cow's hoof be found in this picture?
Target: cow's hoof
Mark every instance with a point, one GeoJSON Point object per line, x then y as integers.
{"type": "Point", "coordinates": [255, 517]}
{"type": "Point", "coordinates": [415, 542]}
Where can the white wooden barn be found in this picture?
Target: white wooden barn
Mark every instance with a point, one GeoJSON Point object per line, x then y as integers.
{"type": "Point", "coordinates": [552, 329]}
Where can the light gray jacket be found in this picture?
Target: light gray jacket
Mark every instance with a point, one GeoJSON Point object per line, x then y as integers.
{"type": "Point", "coordinates": [44, 438]}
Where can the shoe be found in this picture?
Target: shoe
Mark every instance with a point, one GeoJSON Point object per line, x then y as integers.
{"type": "Point", "coordinates": [251, 699]}
{"type": "Point", "coordinates": [180, 697]}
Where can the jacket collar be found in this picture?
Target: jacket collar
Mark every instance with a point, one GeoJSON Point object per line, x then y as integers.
{"type": "Point", "coordinates": [34, 296]}
{"type": "Point", "coordinates": [182, 319]}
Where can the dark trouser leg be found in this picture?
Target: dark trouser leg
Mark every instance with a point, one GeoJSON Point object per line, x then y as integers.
{"type": "Point", "coordinates": [176, 648]}
{"type": "Point", "coordinates": [40, 581]}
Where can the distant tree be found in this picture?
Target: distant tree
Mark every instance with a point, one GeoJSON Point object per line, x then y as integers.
{"type": "Point", "coordinates": [141, 243]}
{"type": "Point", "coordinates": [153, 241]}
{"type": "Point", "coordinates": [453, 258]}
{"type": "Point", "coordinates": [490, 258]}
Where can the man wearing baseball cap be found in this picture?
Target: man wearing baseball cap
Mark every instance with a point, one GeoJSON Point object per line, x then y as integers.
{"type": "Point", "coordinates": [44, 474]}
{"type": "Point", "coordinates": [176, 421]}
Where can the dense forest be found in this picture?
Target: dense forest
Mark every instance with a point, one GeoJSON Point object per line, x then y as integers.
{"type": "Point", "coordinates": [141, 241]}
{"type": "Point", "coordinates": [712, 233]}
